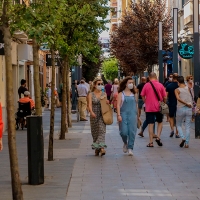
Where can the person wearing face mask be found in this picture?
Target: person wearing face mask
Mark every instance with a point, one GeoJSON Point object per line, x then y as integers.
{"type": "Point", "coordinates": [98, 127]}
{"type": "Point", "coordinates": [190, 85]}
{"type": "Point", "coordinates": [184, 111]}
{"type": "Point", "coordinates": [127, 114]}
{"type": "Point", "coordinates": [170, 79]}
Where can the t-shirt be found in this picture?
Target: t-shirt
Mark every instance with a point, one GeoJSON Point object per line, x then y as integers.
{"type": "Point", "coordinates": [108, 89]}
{"type": "Point", "coordinates": [167, 83]}
{"type": "Point", "coordinates": [114, 88]}
{"type": "Point", "coordinates": [172, 101]}
{"type": "Point", "coordinates": [140, 87]}
{"type": "Point", "coordinates": [21, 90]}
{"type": "Point", "coordinates": [151, 102]}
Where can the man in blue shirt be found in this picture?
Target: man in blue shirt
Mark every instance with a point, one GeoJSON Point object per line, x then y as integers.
{"type": "Point", "coordinates": [172, 103]}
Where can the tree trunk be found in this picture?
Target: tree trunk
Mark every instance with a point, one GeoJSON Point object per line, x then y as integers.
{"type": "Point", "coordinates": [69, 120]}
{"type": "Point", "coordinates": [64, 127]}
{"type": "Point", "coordinates": [50, 150]}
{"type": "Point", "coordinates": [14, 168]}
{"type": "Point", "coordinates": [38, 106]}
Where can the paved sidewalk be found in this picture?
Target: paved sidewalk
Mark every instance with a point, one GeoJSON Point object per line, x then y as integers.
{"type": "Point", "coordinates": [159, 173]}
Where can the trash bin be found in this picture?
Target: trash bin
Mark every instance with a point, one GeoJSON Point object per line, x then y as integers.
{"type": "Point", "coordinates": [35, 146]}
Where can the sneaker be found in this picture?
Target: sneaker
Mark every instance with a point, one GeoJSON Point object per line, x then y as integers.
{"type": "Point", "coordinates": [177, 136]}
{"type": "Point", "coordinates": [125, 148]}
{"type": "Point", "coordinates": [130, 153]}
{"type": "Point", "coordinates": [171, 134]}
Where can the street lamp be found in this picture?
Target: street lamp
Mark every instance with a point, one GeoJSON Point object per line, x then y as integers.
{"type": "Point", "coordinates": [175, 40]}
{"type": "Point", "coordinates": [196, 59]}
{"type": "Point", "coordinates": [160, 56]}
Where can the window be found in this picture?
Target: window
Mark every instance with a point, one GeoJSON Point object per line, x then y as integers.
{"type": "Point", "coordinates": [114, 12]}
{"type": "Point", "coordinates": [184, 1]}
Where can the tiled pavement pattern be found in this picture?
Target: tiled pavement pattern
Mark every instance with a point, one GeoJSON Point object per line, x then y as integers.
{"type": "Point", "coordinates": [159, 173]}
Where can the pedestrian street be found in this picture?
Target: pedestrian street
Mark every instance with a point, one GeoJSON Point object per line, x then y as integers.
{"type": "Point", "coordinates": [159, 173]}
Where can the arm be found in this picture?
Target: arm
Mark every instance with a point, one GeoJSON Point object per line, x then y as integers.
{"type": "Point", "coordinates": [90, 105]}
{"type": "Point", "coordinates": [119, 101]}
{"type": "Point", "coordinates": [177, 92]}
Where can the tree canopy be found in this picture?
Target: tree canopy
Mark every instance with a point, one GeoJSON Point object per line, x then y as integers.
{"type": "Point", "coordinates": [110, 68]}
{"type": "Point", "coordinates": [135, 41]}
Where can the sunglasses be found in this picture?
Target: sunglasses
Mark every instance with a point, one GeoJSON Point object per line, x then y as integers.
{"type": "Point", "coordinates": [100, 84]}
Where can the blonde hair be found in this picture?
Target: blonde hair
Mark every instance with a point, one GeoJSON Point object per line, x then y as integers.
{"type": "Point", "coordinates": [94, 83]}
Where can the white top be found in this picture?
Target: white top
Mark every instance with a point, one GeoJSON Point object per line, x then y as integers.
{"type": "Point", "coordinates": [123, 94]}
{"type": "Point", "coordinates": [82, 90]}
{"type": "Point", "coordinates": [49, 92]}
{"type": "Point", "coordinates": [184, 96]}
{"type": "Point", "coordinates": [87, 85]}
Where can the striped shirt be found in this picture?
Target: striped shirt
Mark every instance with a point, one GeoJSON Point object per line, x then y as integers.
{"type": "Point", "coordinates": [82, 90]}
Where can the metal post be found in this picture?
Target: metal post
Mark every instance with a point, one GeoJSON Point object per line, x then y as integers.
{"type": "Point", "coordinates": [196, 60]}
{"type": "Point", "coordinates": [160, 56]}
{"type": "Point", "coordinates": [175, 40]}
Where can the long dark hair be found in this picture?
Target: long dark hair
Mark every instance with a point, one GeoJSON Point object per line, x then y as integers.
{"type": "Point", "coordinates": [123, 83]}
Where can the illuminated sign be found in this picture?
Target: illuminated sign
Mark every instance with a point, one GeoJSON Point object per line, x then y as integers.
{"type": "Point", "coordinates": [186, 50]}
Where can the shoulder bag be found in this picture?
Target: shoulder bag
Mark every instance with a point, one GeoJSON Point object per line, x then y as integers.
{"type": "Point", "coordinates": [164, 109]}
{"type": "Point", "coordinates": [106, 111]}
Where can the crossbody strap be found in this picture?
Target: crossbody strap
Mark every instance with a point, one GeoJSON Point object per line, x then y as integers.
{"type": "Point", "coordinates": [156, 93]}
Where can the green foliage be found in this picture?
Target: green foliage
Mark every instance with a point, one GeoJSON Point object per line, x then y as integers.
{"type": "Point", "coordinates": [110, 68]}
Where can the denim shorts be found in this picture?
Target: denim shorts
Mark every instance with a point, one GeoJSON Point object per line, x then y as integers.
{"type": "Point", "coordinates": [140, 103]}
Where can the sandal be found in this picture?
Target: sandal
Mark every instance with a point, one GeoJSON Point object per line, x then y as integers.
{"type": "Point", "coordinates": [150, 145]}
{"type": "Point", "coordinates": [102, 152]}
{"type": "Point", "coordinates": [141, 134]}
{"type": "Point", "coordinates": [159, 142]}
{"type": "Point", "coordinates": [186, 146]}
{"type": "Point", "coordinates": [182, 143]}
{"type": "Point", "coordinates": [97, 151]}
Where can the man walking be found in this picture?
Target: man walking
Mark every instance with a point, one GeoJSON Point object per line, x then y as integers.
{"type": "Point", "coordinates": [82, 99]}
{"type": "Point", "coordinates": [172, 103]}
{"type": "Point", "coordinates": [139, 90]}
{"type": "Point", "coordinates": [152, 106]}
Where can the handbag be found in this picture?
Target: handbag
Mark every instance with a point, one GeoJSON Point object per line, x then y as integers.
{"type": "Point", "coordinates": [164, 109]}
{"type": "Point", "coordinates": [106, 111]}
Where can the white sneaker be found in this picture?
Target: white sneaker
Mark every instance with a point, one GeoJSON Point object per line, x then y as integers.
{"type": "Point", "coordinates": [130, 153]}
{"type": "Point", "coordinates": [125, 148]}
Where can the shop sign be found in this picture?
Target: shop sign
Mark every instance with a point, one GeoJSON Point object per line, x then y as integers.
{"type": "Point", "coordinates": [1, 44]}
{"type": "Point", "coordinates": [186, 50]}
{"type": "Point", "coordinates": [58, 60]}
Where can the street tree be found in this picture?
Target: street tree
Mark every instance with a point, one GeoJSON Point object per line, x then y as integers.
{"type": "Point", "coordinates": [80, 32]}
{"type": "Point", "coordinates": [110, 68]}
{"type": "Point", "coordinates": [92, 64]}
{"type": "Point", "coordinates": [135, 41]}
{"type": "Point", "coordinates": [6, 8]}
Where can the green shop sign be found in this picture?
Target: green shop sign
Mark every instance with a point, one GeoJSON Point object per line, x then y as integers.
{"type": "Point", "coordinates": [186, 50]}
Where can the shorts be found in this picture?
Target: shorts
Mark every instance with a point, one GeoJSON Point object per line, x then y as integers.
{"type": "Point", "coordinates": [151, 117]}
{"type": "Point", "coordinates": [140, 103]}
{"type": "Point", "coordinates": [172, 111]}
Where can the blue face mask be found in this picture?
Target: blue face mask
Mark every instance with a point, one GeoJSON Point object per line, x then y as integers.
{"type": "Point", "coordinates": [102, 88]}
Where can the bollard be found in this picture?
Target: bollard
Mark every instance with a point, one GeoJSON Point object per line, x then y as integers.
{"type": "Point", "coordinates": [35, 147]}
{"type": "Point", "coordinates": [197, 126]}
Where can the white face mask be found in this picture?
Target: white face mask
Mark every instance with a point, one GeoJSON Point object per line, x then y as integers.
{"type": "Point", "coordinates": [191, 81]}
{"type": "Point", "coordinates": [130, 86]}
{"type": "Point", "coordinates": [170, 79]}
{"type": "Point", "coordinates": [99, 87]}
